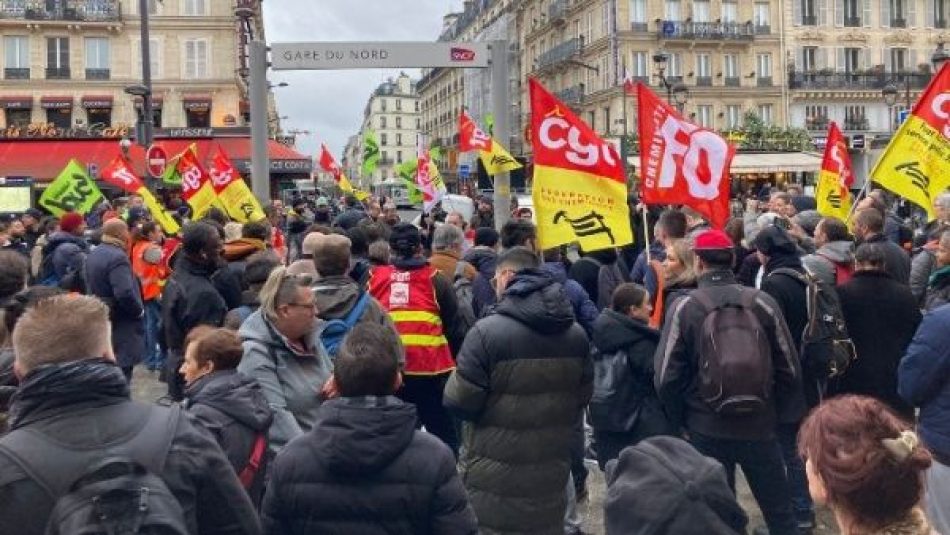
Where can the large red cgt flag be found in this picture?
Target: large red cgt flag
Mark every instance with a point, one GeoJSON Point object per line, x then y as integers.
{"type": "Point", "coordinates": [471, 137]}
{"type": "Point", "coordinates": [680, 162]}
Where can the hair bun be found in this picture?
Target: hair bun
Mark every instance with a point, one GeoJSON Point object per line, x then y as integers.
{"type": "Point", "coordinates": [903, 446]}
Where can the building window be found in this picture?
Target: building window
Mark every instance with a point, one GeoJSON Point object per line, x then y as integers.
{"type": "Point", "coordinates": [674, 65]}
{"type": "Point", "coordinates": [196, 59]}
{"type": "Point", "coordinates": [899, 60]}
{"type": "Point", "coordinates": [937, 13]}
{"type": "Point", "coordinates": [383, 155]}
{"type": "Point", "coordinates": [704, 115]}
{"type": "Point", "coordinates": [16, 52]}
{"type": "Point", "coordinates": [97, 58]}
{"type": "Point", "coordinates": [60, 115]}
{"type": "Point", "coordinates": [57, 58]}
{"type": "Point", "coordinates": [816, 117]}
{"type": "Point", "coordinates": [898, 13]}
{"type": "Point", "coordinates": [762, 18]}
{"type": "Point", "coordinates": [196, 7]}
{"type": "Point", "coordinates": [810, 59]}
{"type": "Point", "coordinates": [730, 11]}
{"type": "Point", "coordinates": [855, 118]}
{"type": "Point", "coordinates": [418, 124]}
{"type": "Point", "coordinates": [417, 106]}
{"type": "Point", "coordinates": [731, 69]}
{"type": "Point", "coordinates": [99, 116]}
{"type": "Point", "coordinates": [673, 10]}
{"type": "Point", "coordinates": [382, 104]}
{"type": "Point", "coordinates": [765, 113]}
{"type": "Point", "coordinates": [763, 67]}
{"type": "Point", "coordinates": [198, 113]}
{"type": "Point", "coordinates": [809, 13]}
{"type": "Point", "coordinates": [399, 139]}
{"type": "Point", "coordinates": [701, 11]}
{"type": "Point", "coordinates": [398, 104]}
{"type": "Point", "coordinates": [640, 62]}
{"type": "Point", "coordinates": [398, 156]}
{"type": "Point", "coordinates": [155, 60]}
{"type": "Point", "coordinates": [382, 121]}
{"type": "Point", "coordinates": [383, 139]}
{"type": "Point", "coordinates": [703, 70]}
{"type": "Point", "coordinates": [638, 15]}
{"type": "Point", "coordinates": [19, 118]}
{"type": "Point", "coordinates": [398, 122]}
{"type": "Point", "coordinates": [733, 116]}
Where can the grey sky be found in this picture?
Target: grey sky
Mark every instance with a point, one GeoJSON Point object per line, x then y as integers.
{"type": "Point", "coordinates": [330, 103]}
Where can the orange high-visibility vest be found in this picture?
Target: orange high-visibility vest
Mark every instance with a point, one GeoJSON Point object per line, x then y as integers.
{"type": "Point", "coordinates": [409, 298]}
{"type": "Point", "coordinates": [150, 275]}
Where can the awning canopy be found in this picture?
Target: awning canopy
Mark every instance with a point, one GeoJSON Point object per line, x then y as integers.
{"type": "Point", "coordinates": [44, 159]}
{"type": "Point", "coordinates": [768, 162]}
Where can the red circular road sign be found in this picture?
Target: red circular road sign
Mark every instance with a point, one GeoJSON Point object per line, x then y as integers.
{"type": "Point", "coordinates": [156, 159]}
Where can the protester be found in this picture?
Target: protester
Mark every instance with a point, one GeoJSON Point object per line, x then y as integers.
{"type": "Point", "coordinates": [728, 415]}
{"type": "Point", "coordinates": [524, 375]}
{"type": "Point", "coordinates": [49, 225]}
{"type": "Point", "coordinates": [882, 316]}
{"type": "Point", "coordinates": [11, 238]}
{"type": "Point", "coordinates": [352, 213]}
{"type": "Point", "coordinates": [32, 220]}
{"type": "Point", "coordinates": [304, 264]}
{"type": "Point", "coordinates": [867, 465]}
{"type": "Point", "coordinates": [663, 485]}
{"type": "Point", "coordinates": [695, 223]}
{"type": "Point", "coordinates": [254, 239]}
{"type": "Point", "coordinates": [923, 382]}
{"type": "Point", "coordinates": [585, 310]}
{"type": "Point", "coordinates": [259, 266]}
{"type": "Point", "coordinates": [422, 304]}
{"type": "Point", "coordinates": [364, 468]}
{"type": "Point", "coordinates": [447, 244]}
{"type": "Point", "coordinates": [833, 261]}
{"type": "Point", "coordinates": [379, 253]}
{"type": "Point", "coordinates": [65, 254]}
{"type": "Point", "coordinates": [147, 265]}
{"type": "Point", "coordinates": [359, 249]}
{"type": "Point", "coordinates": [676, 278]}
{"type": "Point", "coordinates": [13, 278]}
{"type": "Point", "coordinates": [670, 226]}
{"type": "Point", "coordinates": [868, 226]}
{"type": "Point", "coordinates": [190, 297]}
{"type": "Point", "coordinates": [924, 261]}
{"type": "Point", "coordinates": [484, 252]}
{"type": "Point", "coordinates": [228, 403]}
{"type": "Point", "coordinates": [71, 414]}
{"type": "Point", "coordinates": [484, 216]}
{"type": "Point", "coordinates": [515, 233]}
{"type": "Point", "coordinates": [735, 229]}
{"type": "Point", "coordinates": [938, 285]}
{"type": "Point", "coordinates": [892, 228]}
{"type": "Point", "coordinates": [109, 277]}
{"type": "Point", "coordinates": [599, 274]}
{"type": "Point", "coordinates": [781, 203]}
{"type": "Point", "coordinates": [625, 408]}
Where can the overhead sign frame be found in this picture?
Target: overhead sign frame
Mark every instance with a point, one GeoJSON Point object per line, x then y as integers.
{"type": "Point", "coordinates": [383, 55]}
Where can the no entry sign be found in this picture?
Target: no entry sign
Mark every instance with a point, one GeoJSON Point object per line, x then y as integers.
{"type": "Point", "coordinates": [156, 159]}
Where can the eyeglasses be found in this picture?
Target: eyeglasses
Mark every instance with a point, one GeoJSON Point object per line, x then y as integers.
{"type": "Point", "coordinates": [312, 305]}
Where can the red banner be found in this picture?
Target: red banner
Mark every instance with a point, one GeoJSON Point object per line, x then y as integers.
{"type": "Point", "coordinates": [196, 186]}
{"type": "Point", "coordinates": [328, 163]}
{"type": "Point", "coordinates": [232, 191]}
{"type": "Point", "coordinates": [120, 174]}
{"type": "Point", "coordinates": [680, 162]}
{"type": "Point", "coordinates": [471, 137]}
{"type": "Point", "coordinates": [836, 159]}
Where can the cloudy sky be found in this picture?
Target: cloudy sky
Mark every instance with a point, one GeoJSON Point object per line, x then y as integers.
{"type": "Point", "coordinates": [330, 103]}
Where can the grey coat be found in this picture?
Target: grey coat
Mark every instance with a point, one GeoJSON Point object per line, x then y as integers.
{"type": "Point", "coordinates": [291, 381]}
{"type": "Point", "coordinates": [822, 264]}
{"type": "Point", "coordinates": [922, 266]}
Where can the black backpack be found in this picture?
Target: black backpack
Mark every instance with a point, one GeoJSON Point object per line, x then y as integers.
{"type": "Point", "coordinates": [609, 276]}
{"type": "Point", "coordinates": [826, 347]}
{"type": "Point", "coordinates": [735, 358]}
{"type": "Point", "coordinates": [110, 491]}
{"type": "Point", "coordinates": [615, 403]}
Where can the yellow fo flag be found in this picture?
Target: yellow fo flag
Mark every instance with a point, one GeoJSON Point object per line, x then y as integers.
{"type": "Point", "coordinates": [495, 158]}
{"type": "Point", "coordinates": [916, 163]}
{"type": "Point", "coordinates": [833, 192]}
{"type": "Point", "coordinates": [580, 190]}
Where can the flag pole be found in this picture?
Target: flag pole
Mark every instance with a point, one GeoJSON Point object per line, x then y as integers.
{"type": "Point", "coordinates": [861, 194]}
{"type": "Point", "coordinates": [646, 234]}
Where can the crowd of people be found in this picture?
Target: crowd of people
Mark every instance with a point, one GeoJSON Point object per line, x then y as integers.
{"type": "Point", "coordinates": [344, 371]}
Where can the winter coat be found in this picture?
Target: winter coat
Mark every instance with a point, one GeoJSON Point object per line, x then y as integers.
{"type": "Point", "coordinates": [586, 271]}
{"type": "Point", "coordinates": [938, 289]}
{"type": "Point", "coordinates": [585, 310]}
{"type": "Point", "coordinates": [336, 297]}
{"type": "Point", "coordinates": [364, 468]}
{"type": "Point", "coordinates": [250, 302]}
{"type": "Point", "coordinates": [825, 262]}
{"type": "Point", "coordinates": [881, 315]}
{"type": "Point", "coordinates": [68, 252]}
{"type": "Point", "coordinates": [291, 380]}
{"type": "Point", "coordinates": [922, 266]}
{"type": "Point", "coordinates": [109, 277]}
{"type": "Point", "coordinates": [896, 261]}
{"type": "Point", "coordinates": [188, 300]}
{"type": "Point", "coordinates": [236, 254]}
{"type": "Point", "coordinates": [232, 406]}
{"type": "Point", "coordinates": [676, 364]}
{"type": "Point", "coordinates": [924, 380]}
{"type": "Point", "coordinates": [446, 262]}
{"type": "Point", "coordinates": [615, 332]}
{"type": "Point", "coordinates": [483, 219]}
{"type": "Point", "coordinates": [349, 218]}
{"type": "Point", "coordinates": [483, 258]}
{"type": "Point", "coordinates": [86, 405]}
{"type": "Point", "coordinates": [523, 376]}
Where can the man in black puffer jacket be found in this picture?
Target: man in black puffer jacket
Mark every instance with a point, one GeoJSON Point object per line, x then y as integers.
{"type": "Point", "coordinates": [523, 375]}
{"type": "Point", "coordinates": [364, 468]}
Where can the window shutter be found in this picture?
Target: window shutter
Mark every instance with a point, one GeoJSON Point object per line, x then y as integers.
{"type": "Point", "coordinates": [885, 13]}
{"type": "Point", "coordinates": [912, 66]}
{"type": "Point", "coordinates": [866, 18]}
{"type": "Point", "coordinates": [866, 58]}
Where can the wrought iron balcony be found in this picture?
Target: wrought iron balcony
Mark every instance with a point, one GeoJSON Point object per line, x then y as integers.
{"type": "Point", "coordinates": [816, 122]}
{"type": "Point", "coordinates": [57, 73]}
{"type": "Point", "coordinates": [731, 81]}
{"type": "Point", "coordinates": [97, 74]}
{"type": "Point", "coordinates": [704, 81]}
{"type": "Point", "coordinates": [840, 80]}
{"type": "Point", "coordinates": [709, 31]}
{"type": "Point", "coordinates": [16, 73]}
{"type": "Point", "coordinates": [63, 10]}
{"type": "Point", "coordinates": [562, 52]}
{"type": "Point", "coordinates": [763, 29]}
{"type": "Point", "coordinates": [857, 123]}
{"type": "Point", "coordinates": [572, 96]}
{"type": "Point", "coordinates": [809, 20]}
{"type": "Point", "coordinates": [898, 22]}
{"type": "Point", "coordinates": [764, 81]}
{"type": "Point", "coordinates": [852, 22]}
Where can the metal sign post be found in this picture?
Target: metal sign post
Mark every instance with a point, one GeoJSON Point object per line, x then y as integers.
{"type": "Point", "coordinates": [499, 104]}
{"type": "Point", "coordinates": [260, 164]}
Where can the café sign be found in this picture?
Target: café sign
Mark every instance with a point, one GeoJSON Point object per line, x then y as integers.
{"type": "Point", "coordinates": [51, 131]}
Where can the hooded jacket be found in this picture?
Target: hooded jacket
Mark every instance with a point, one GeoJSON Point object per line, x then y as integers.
{"type": "Point", "coordinates": [232, 406]}
{"type": "Point", "coordinates": [364, 468]}
{"type": "Point", "coordinates": [189, 299]}
{"type": "Point", "coordinates": [109, 277]}
{"type": "Point", "coordinates": [924, 380]}
{"type": "Point", "coordinates": [336, 296]}
{"type": "Point", "coordinates": [291, 380]}
{"type": "Point", "coordinates": [483, 258]}
{"type": "Point", "coordinates": [825, 262]}
{"type": "Point", "coordinates": [85, 405]}
{"type": "Point", "coordinates": [523, 375]}
{"type": "Point", "coordinates": [68, 252]}
{"type": "Point", "coordinates": [922, 265]}
{"type": "Point", "coordinates": [585, 310]}
{"type": "Point", "coordinates": [938, 289]}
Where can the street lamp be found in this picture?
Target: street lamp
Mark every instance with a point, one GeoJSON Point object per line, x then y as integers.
{"type": "Point", "coordinates": [939, 57]}
{"type": "Point", "coordinates": [890, 91]}
{"type": "Point", "coordinates": [676, 92]}
{"type": "Point", "coordinates": [146, 122]}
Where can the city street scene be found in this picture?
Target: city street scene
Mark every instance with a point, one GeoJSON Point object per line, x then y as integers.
{"type": "Point", "coordinates": [576, 267]}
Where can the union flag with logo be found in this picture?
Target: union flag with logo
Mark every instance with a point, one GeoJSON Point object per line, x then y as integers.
{"type": "Point", "coordinates": [120, 174]}
{"type": "Point", "coordinates": [916, 163]}
{"type": "Point", "coordinates": [494, 157]}
{"type": "Point", "coordinates": [232, 191]}
{"type": "Point", "coordinates": [328, 163]}
{"type": "Point", "coordinates": [580, 189]}
{"type": "Point", "coordinates": [680, 162]}
{"type": "Point", "coordinates": [196, 188]}
{"type": "Point", "coordinates": [832, 191]}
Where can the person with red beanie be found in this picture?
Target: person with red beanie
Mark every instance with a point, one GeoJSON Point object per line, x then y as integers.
{"type": "Point", "coordinates": [65, 254]}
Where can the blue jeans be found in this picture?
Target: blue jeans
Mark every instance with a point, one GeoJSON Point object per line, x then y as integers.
{"type": "Point", "coordinates": [764, 469]}
{"type": "Point", "coordinates": [154, 359]}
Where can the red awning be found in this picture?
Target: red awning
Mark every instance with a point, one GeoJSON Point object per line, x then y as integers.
{"type": "Point", "coordinates": [97, 101]}
{"type": "Point", "coordinates": [16, 103]}
{"type": "Point", "coordinates": [57, 102]}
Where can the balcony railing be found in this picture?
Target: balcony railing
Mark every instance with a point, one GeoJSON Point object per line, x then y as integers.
{"type": "Point", "coordinates": [67, 10]}
{"type": "Point", "coordinates": [639, 26]}
{"type": "Point", "coordinates": [558, 9]}
{"type": "Point", "coordinates": [839, 80]}
{"type": "Point", "coordinates": [764, 81]}
{"type": "Point", "coordinates": [97, 74]}
{"type": "Point", "coordinates": [816, 122]}
{"type": "Point", "coordinates": [573, 95]}
{"type": "Point", "coordinates": [710, 31]}
{"type": "Point", "coordinates": [809, 20]}
{"type": "Point", "coordinates": [857, 123]}
{"type": "Point", "coordinates": [898, 22]}
{"type": "Point", "coordinates": [562, 52]}
{"type": "Point", "coordinates": [852, 22]}
{"type": "Point", "coordinates": [704, 81]}
{"type": "Point", "coordinates": [386, 161]}
{"type": "Point", "coordinates": [731, 81]}
{"type": "Point", "coordinates": [16, 73]}
{"type": "Point", "coordinates": [763, 29]}
{"type": "Point", "coordinates": [57, 73]}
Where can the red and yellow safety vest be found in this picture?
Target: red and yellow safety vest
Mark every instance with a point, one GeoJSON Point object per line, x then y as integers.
{"type": "Point", "coordinates": [409, 298]}
{"type": "Point", "coordinates": [152, 276]}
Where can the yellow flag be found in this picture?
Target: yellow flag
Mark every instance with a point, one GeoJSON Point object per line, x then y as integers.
{"type": "Point", "coordinates": [835, 177]}
{"type": "Point", "coordinates": [347, 187]}
{"type": "Point", "coordinates": [498, 160]}
{"type": "Point", "coordinates": [155, 208]}
{"type": "Point", "coordinates": [916, 163]}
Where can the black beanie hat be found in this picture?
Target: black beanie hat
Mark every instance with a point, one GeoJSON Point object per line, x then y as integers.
{"type": "Point", "coordinates": [775, 241]}
{"type": "Point", "coordinates": [662, 485]}
{"type": "Point", "coordinates": [404, 238]}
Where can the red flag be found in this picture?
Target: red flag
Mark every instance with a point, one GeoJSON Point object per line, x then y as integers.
{"type": "Point", "coordinates": [222, 171]}
{"type": "Point", "coordinates": [328, 163]}
{"type": "Point", "coordinates": [836, 159]}
{"type": "Point", "coordinates": [629, 87]}
{"type": "Point", "coordinates": [471, 137]}
{"type": "Point", "coordinates": [680, 162]}
{"type": "Point", "coordinates": [120, 174]}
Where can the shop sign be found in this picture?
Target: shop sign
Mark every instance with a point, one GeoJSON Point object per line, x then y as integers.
{"type": "Point", "coordinates": [278, 166]}
{"type": "Point", "coordinates": [51, 131]}
{"type": "Point", "coordinates": [858, 141]}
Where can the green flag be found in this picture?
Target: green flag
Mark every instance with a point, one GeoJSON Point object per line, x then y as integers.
{"type": "Point", "coordinates": [435, 153]}
{"type": "Point", "coordinates": [370, 153]}
{"type": "Point", "coordinates": [72, 191]}
{"type": "Point", "coordinates": [407, 172]}
{"type": "Point", "coordinates": [490, 123]}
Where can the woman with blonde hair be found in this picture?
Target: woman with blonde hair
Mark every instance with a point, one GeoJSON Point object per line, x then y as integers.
{"type": "Point", "coordinates": [676, 278]}
{"type": "Point", "coordinates": [282, 350]}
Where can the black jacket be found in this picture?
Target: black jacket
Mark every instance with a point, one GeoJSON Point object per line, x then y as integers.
{"type": "Point", "coordinates": [232, 406]}
{"type": "Point", "coordinates": [882, 317]}
{"type": "Point", "coordinates": [677, 357]}
{"type": "Point", "coordinates": [85, 405]}
{"type": "Point", "coordinates": [524, 374]}
{"type": "Point", "coordinates": [109, 277]}
{"type": "Point", "coordinates": [364, 468]}
{"type": "Point", "coordinates": [587, 272]}
{"type": "Point", "coordinates": [189, 299]}
{"type": "Point", "coordinates": [896, 259]}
